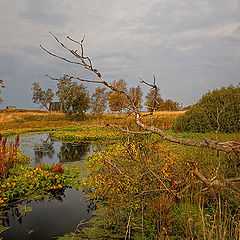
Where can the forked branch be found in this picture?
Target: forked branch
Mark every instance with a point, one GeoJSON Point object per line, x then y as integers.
{"type": "Point", "coordinates": [230, 146]}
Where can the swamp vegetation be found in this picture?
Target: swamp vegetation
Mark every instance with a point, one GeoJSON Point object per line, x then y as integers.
{"type": "Point", "coordinates": [143, 188]}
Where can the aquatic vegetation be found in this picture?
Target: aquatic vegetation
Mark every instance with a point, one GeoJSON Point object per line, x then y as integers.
{"type": "Point", "coordinates": [10, 156]}
{"type": "Point", "coordinates": [149, 190]}
{"type": "Point", "coordinates": [20, 181]}
{"type": "Point", "coordinates": [78, 134]}
{"type": "Point", "coordinates": [133, 179]}
{"type": "Point", "coordinates": [27, 182]}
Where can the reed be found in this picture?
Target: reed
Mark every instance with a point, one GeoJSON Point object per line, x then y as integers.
{"type": "Point", "coordinates": [8, 155]}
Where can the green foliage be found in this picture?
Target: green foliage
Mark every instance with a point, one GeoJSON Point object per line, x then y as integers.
{"type": "Point", "coordinates": [42, 97]}
{"type": "Point", "coordinates": [10, 156]}
{"type": "Point", "coordinates": [129, 178]}
{"type": "Point", "coordinates": [78, 134]}
{"type": "Point", "coordinates": [220, 105]}
{"type": "Point", "coordinates": [73, 96]}
{"type": "Point", "coordinates": [170, 105]}
{"type": "Point", "coordinates": [26, 182]}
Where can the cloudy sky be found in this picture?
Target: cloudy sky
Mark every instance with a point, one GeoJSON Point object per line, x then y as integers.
{"type": "Point", "coordinates": [190, 46]}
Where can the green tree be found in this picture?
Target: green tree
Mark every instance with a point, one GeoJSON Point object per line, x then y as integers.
{"type": "Point", "coordinates": [42, 97]}
{"type": "Point", "coordinates": [219, 109]}
{"type": "Point", "coordinates": [170, 105]}
{"type": "Point", "coordinates": [99, 101]}
{"type": "Point", "coordinates": [73, 96]}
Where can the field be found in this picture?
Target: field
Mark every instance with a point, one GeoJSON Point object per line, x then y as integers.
{"type": "Point", "coordinates": [30, 120]}
{"type": "Point", "coordinates": [145, 187]}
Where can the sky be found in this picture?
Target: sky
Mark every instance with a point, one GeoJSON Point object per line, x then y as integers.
{"type": "Point", "coordinates": [191, 47]}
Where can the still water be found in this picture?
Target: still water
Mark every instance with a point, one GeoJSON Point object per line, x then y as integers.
{"type": "Point", "coordinates": [50, 218]}
{"type": "Point", "coordinates": [44, 149]}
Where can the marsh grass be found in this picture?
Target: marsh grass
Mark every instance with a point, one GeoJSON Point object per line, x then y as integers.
{"type": "Point", "coordinates": [23, 121]}
{"type": "Point", "coordinates": [136, 181]}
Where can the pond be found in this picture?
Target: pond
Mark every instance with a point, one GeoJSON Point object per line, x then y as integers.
{"type": "Point", "coordinates": [44, 149]}
{"type": "Point", "coordinates": [55, 217]}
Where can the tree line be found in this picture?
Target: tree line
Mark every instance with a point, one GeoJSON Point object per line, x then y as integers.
{"type": "Point", "coordinates": [76, 100]}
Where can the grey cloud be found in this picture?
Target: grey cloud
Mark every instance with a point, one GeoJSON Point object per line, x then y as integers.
{"type": "Point", "coordinates": [170, 17]}
{"type": "Point", "coordinates": [44, 12]}
{"type": "Point", "coordinates": [191, 46]}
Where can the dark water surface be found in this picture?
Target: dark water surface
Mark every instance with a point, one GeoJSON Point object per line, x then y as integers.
{"type": "Point", "coordinates": [50, 218]}
{"type": "Point", "coordinates": [43, 148]}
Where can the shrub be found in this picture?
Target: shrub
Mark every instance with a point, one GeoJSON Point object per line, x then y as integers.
{"type": "Point", "coordinates": [220, 105]}
{"type": "Point", "coordinates": [9, 156]}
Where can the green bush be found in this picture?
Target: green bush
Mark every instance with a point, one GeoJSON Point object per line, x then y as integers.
{"type": "Point", "coordinates": [222, 104]}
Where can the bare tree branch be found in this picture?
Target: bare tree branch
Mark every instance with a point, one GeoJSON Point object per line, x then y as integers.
{"type": "Point", "coordinates": [62, 58]}
{"type": "Point", "coordinates": [76, 78]}
{"type": "Point", "coordinates": [114, 126]}
{"type": "Point", "coordinates": [229, 146]}
{"type": "Point", "coordinates": [148, 84]}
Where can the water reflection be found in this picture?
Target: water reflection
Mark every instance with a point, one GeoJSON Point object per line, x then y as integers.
{"type": "Point", "coordinates": [44, 149]}
{"type": "Point", "coordinates": [72, 152]}
{"type": "Point", "coordinates": [45, 219]}
{"type": "Point", "coordinates": [61, 214]}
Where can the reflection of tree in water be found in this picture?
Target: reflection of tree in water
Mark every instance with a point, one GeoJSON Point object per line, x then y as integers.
{"type": "Point", "coordinates": [19, 211]}
{"type": "Point", "coordinates": [70, 152]}
{"type": "Point", "coordinates": [44, 149]}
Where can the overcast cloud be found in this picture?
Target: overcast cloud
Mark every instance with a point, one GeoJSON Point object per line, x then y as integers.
{"type": "Point", "coordinates": [190, 46]}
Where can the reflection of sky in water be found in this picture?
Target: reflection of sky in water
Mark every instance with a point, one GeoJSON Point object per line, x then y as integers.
{"type": "Point", "coordinates": [48, 219]}
{"type": "Point", "coordinates": [43, 149]}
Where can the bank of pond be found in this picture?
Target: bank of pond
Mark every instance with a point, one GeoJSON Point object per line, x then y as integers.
{"type": "Point", "coordinates": [111, 187]}
{"type": "Point", "coordinates": [41, 194]}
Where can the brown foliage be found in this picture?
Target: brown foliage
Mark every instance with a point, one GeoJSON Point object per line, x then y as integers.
{"type": "Point", "coordinates": [58, 169]}
{"type": "Point", "coordinates": [154, 100]}
{"type": "Point", "coordinates": [118, 101]}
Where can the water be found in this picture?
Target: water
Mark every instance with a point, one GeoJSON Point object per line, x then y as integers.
{"type": "Point", "coordinates": [43, 148]}
{"type": "Point", "coordinates": [58, 216]}
{"type": "Point", "coordinates": [48, 218]}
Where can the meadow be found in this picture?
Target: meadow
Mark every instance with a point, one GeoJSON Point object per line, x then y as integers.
{"type": "Point", "coordinates": [145, 187]}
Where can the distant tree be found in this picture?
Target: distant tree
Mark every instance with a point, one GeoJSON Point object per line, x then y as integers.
{"type": "Point", "coordinates": [187, 108]}
{"type": "Point", "coordinates": [99, 101]}
{"type": "Point", "coordinates": [136, 95]}
{"type": "Point", "coordinates": [74, 97]}
{"type": "Point", "coordinates": [2, 86]}
{"type": "Point", "coordinates": [154, 101]}
{"type": "Point", "coordinates": [170, 105]}
{"type": "Point", "coordinates": [42, 97]}
{"type": "Point", "coordinates": [117, 102]}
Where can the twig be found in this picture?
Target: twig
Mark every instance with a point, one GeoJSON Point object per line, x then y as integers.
{"type": "Point", "coordinates": [82, 222]}
{"type": "Point", "coordinates": [114, 126]}
{"type": "Point", "coordinates": [128, 231]}
{"type": "Point", "coordinates": [161, 182]}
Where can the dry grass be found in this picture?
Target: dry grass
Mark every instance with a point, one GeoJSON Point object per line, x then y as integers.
{"type": "Point", "coordinates": [8, 116]}
{"type": "Point", "coordinates": [30, 119]}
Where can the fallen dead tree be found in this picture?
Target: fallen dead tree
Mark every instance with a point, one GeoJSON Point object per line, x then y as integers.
{"type": "Point", "coordinates": [132, 109]}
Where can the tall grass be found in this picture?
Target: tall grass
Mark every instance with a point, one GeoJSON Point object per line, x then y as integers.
{"type": "Point", "coordinates": [8, 155]}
